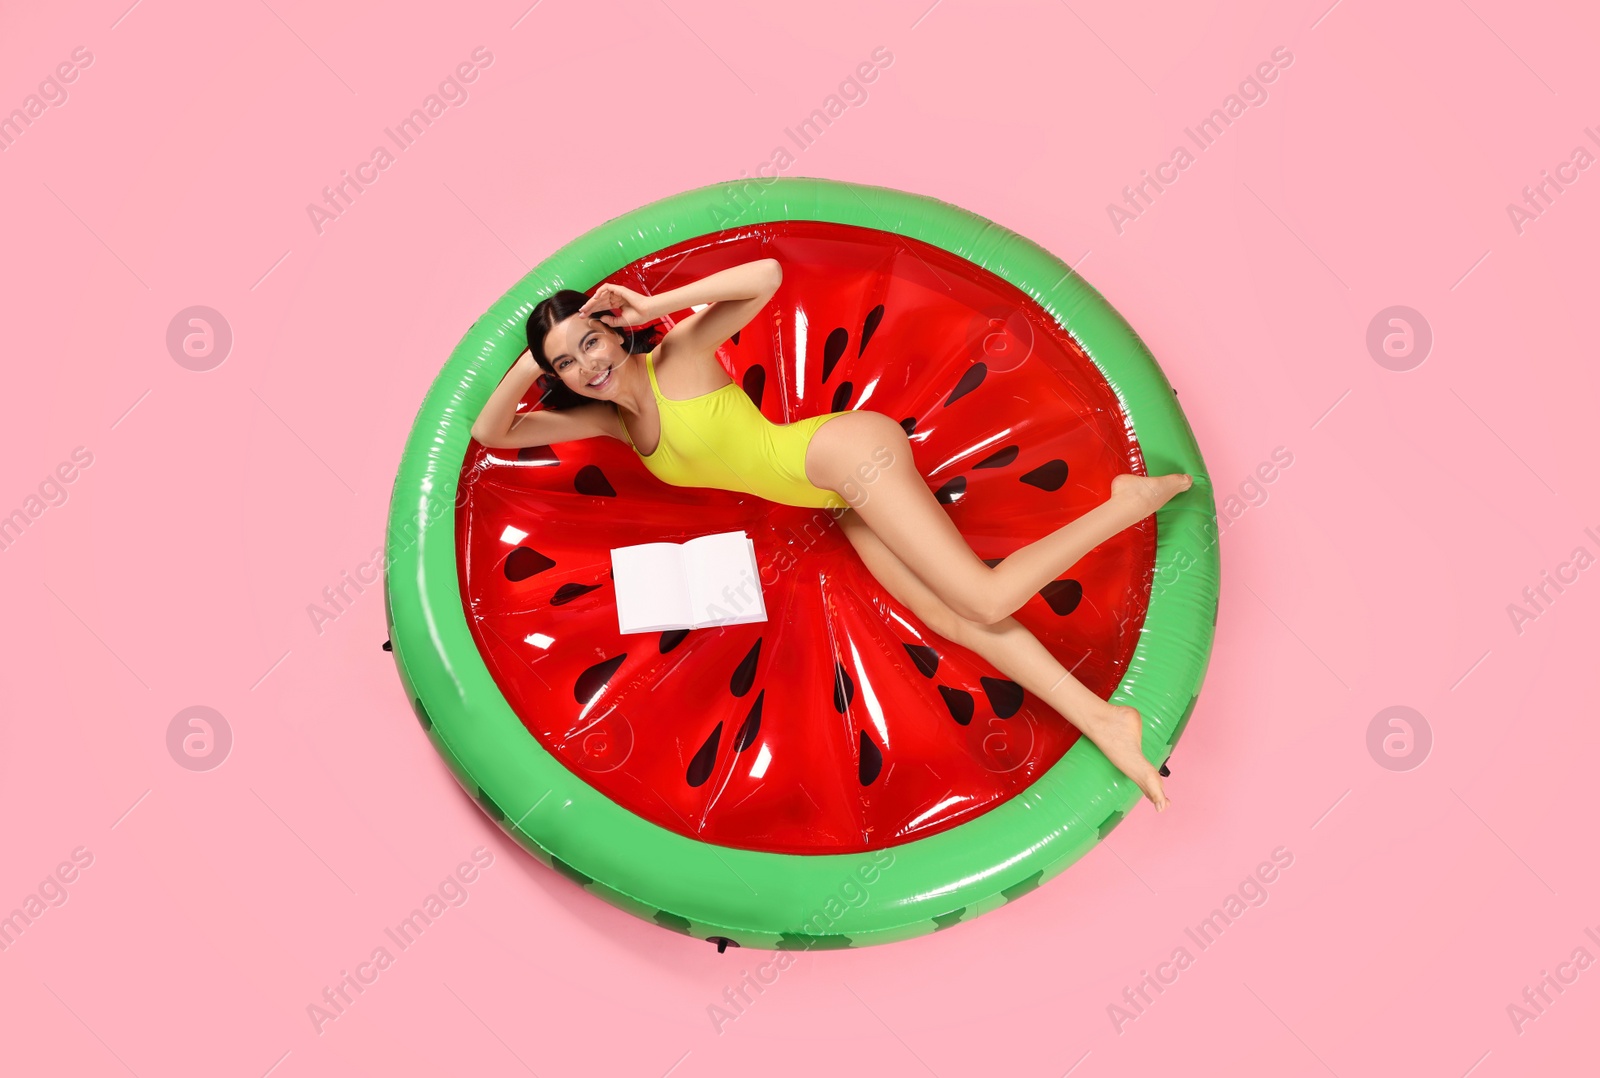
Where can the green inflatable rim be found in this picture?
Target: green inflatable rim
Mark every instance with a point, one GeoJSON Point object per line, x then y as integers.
{"type": "Point", "coordinates": [772, 900]}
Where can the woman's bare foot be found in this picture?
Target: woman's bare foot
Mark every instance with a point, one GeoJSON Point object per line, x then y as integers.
{"type": "Point", "coordinates": [1116, 730]}
{"type": "Point", "coordinates": [1149, 493]}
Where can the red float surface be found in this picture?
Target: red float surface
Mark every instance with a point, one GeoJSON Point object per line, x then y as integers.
{"type": "Point", "coordinates": [842, 723]}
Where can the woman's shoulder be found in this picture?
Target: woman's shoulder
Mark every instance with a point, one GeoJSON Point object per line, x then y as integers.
{"type": "Point", "coordinates": [692, 375]}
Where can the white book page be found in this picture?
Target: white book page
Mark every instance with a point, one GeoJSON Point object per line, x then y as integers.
{"type": "Point", "coordinates": [652, 587]}
{"type": "Point", "coordinates": [724, 584]}
{"type": "Point", "coordinates": [761, 602]}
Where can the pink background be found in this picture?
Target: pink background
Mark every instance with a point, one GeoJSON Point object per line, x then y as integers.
{"type": "Point", "coordinates": [1377, 572]}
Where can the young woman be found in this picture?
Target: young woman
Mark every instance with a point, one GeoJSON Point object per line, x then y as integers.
{"type": "Point", "coordinates": [703, 430]}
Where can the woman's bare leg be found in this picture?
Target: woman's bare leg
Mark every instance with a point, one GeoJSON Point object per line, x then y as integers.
{"type": "Point", "coordinates": [1010, 648]}
{"type": "Point", "coordinates": [1118, 730]}
{"type": "Point", "coordinates": [900, 509]}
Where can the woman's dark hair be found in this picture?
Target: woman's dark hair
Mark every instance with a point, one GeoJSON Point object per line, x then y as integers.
{"type": "Point", "coordinates": [553, 392]}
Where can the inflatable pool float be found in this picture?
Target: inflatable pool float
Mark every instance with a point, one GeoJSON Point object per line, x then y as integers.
{"type": "Point", "coordinates": [836, 775]}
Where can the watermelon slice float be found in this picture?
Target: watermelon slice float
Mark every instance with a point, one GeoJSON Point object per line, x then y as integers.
{"type": "Point", "coordinates": [837, 775]}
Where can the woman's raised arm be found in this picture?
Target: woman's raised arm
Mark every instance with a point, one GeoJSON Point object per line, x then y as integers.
{"type": "Point", "coordinates": [500, 412]}
{"type": "Point", "coordinates": [746, 281]}
{"type": "Point", "coordinates": [734, 295]}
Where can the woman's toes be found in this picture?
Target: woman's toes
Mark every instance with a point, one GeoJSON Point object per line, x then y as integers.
{"type": "Point", "coordinates": [1150, 493]}
{"type": "Point", "coordinates": [1175, 484]}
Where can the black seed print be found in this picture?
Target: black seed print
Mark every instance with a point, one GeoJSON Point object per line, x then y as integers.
{"type": "Point", "coordinates": [568, 592]}
{"type": "Point", "coordinates": [591, 480]}
{"type": "Point", "coordinates": [952, 490]}
{"type": "Point", "coordinates": [926, 658]}
{"type": "Point", "coordinates": [909, 425]}
{"type": "Point", "coordinates": [1005, 695]}
{"type": "Point", "coordinates": [1047, 476]}
{"type": "Point", "coordinates": [744, 675]}
{"type": "Point", "coordinates": [704, 760]}
{"type": "Point", "coordinates": [496, 813]}
{"type": "Point", "coordinates": [992, 562]}
{"type": "Point", "coordinates": [752, 725]}
{"type": "Point", "coordinates": [671, 639]}
{"type": "Point", "coordinates": [832, 350]}
{"type": "Point", "coordinates": [592, 680]}
{"type": "Point", "coordinates": [844, 690]}
{"type": "Point", "coordinates": [722, 942]}
{"type": "Point", "coordinates": [998, 459]}
{"type": "Point", "coordinates": [959, 701]}
{"type": "Point", "coordinates": [388, 645]}
{"type": "Point", "coordinates": [841, 397]}
{"type": "Point", "coordinates": [874, 316]}
{"type": "Point", "coordinates": [1022, 887]}
{"type": "Point", "coordinates": [525, 561]}
{"type": "Point", "coordinates": [793, 941]}
{"type": "Point", "coordinates": [871, 761]}
{"type": "Point", "coordinates": [1188, 711]}
{"type": "Point", "coordinates": [570, 873]}
{"type": "Point", "coordinates": [672, 921]}
{"type": "Point", "coordinates": [755, 384]}
{"type": "Point", "coordinates": [537, 452]}
{"type": "Point", "coordinates": [972, 379]}
{"type": "Point", "coordinates": [1063, 595]}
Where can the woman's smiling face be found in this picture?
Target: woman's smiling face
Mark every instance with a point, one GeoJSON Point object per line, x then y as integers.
{"type": "Point", "coordinates": [584, 351]}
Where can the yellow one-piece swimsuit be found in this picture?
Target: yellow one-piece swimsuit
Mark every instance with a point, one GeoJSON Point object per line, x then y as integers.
{"type": "Point", "coordinates": [720, 439]}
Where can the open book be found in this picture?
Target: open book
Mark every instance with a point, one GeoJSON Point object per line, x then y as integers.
{"type": "Point", "coordinates": [709, 580]}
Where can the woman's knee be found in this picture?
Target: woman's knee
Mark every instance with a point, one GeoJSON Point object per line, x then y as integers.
{"type": "Point", "coordinates": [904, 586]}
{"type": "Point", "coordinates": [971, 604]}
{"type": "Point", "coordinates": [981, 611]}
{"type": "Point", "coordinates": [943, 621]}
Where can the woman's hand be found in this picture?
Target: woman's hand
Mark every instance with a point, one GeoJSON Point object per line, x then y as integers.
{"type": "Point", "coordinates": [633, 307]}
